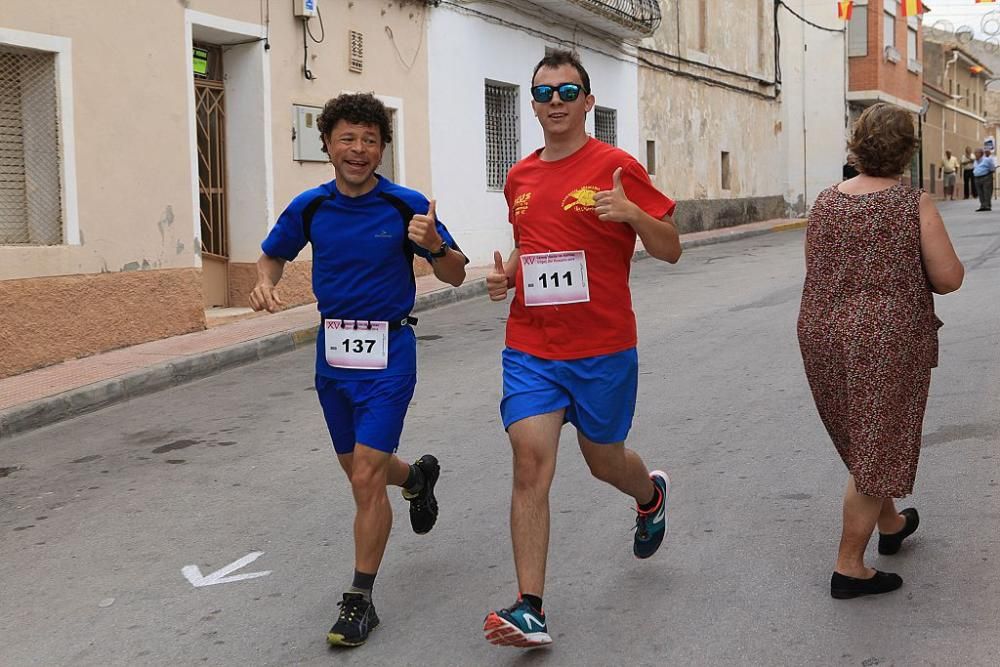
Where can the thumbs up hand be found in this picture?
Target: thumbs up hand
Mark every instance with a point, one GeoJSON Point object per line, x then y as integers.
{"type": "Point", "coordinates": [496, 281]}
{"type": "Point", "coordinates": [423, 230]}
{"type": "Point", "coordinates": [613, 205]}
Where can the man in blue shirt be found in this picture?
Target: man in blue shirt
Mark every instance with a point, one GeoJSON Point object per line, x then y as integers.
{"type": "Point", "coordinates": [982, 172]}
{"type": "Point", "coordinates": [364, 231]}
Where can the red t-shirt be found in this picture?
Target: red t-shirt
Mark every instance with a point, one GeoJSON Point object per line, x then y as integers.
{"type": "Point", "coordinates": [552, 209]}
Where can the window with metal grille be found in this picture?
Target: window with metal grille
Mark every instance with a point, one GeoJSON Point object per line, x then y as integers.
{"type": "Point", "coordinates": [30, 186]}
{"type": "Point", "coordinates": [606, 125]}
{"type": "Point", "coordinates": [503, 132]}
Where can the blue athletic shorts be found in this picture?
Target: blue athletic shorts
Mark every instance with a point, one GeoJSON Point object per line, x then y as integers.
{"type": "Point", "coordinates": [367, 411]}
{"type": "Point", "coordinates": [597, 392]}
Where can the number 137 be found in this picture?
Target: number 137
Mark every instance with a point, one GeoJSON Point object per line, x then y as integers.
{"type": "Point", "coordinates": [358, 345]}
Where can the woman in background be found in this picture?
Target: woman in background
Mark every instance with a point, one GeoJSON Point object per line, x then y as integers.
{"type": "Point", "coordinates": [875, 250]}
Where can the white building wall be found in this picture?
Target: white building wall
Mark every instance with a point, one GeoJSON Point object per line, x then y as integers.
{"type": "Point", "coordinates": [814, 70]}
{"type": "Point", "coordinates": [463, 52]}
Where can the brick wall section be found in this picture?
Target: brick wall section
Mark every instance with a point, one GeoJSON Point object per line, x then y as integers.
{"type": "Point", "coordinates": [874, 72]}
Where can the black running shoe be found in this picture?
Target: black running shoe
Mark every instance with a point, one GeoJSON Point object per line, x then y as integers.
{"type": "Point", "coordinates": [357, 619]}
{"type": "Point", "coordinates": [423, 504]}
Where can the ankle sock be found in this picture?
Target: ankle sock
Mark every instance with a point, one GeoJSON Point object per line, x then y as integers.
{"type": "Point", "coordinates": [533, 600]}
{"type": "Point", "coordinates": [657, 495]}
{"type": "Point", "coordinates": [362, 584]}
{"type": "Point", "coordinates": [415, 480]}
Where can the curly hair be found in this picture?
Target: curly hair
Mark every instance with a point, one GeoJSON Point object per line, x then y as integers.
{"type": "Point", "coordinates": [358, 109]}
{"type": "Point", "coordinates": [883, 141]}
{"type": "Point", "coordinates": [559, 58]}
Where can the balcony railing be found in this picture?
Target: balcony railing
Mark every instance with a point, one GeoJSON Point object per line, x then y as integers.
{"type": "Point", "coordinates": [628, 19]}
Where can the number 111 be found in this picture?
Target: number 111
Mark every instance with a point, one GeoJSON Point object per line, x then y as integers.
{"type": "Point", "coordinates": [554, 277]}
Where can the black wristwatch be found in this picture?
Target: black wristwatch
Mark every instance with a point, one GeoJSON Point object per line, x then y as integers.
{"type": "Point", "coordinates": [442, 251]}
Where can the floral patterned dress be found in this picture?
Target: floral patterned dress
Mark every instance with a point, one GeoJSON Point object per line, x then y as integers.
{"type": "Point", "coordinates": [868, 333]}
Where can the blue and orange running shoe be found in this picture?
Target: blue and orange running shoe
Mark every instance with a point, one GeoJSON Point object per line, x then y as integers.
{"type": "Point", "coordinates": [518, 625]}
{"type": "Point", "coordinates": [651, 526]}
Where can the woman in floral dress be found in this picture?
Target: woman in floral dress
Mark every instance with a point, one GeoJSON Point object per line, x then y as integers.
{"type": "Point", "coordinates": [875, 250]}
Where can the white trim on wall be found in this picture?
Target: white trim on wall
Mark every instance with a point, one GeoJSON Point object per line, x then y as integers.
{"type": "Point", "coordinates": [394, 104]}
{"type": "Point", "coordinates": [229, 30]}
{"type": "Point", "coordinates": [62, 47]}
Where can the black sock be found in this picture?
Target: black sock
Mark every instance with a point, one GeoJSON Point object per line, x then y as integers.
{"type": "Point", "coordinates": [363, 584]}
{"type": "Point", "coordinates": [657, 494]}
{"type": "Point", "coordinates": [533, 600]}
{"type": "Point", "coordinates": [415, 480]}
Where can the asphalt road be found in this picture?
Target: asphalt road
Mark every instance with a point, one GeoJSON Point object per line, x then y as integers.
{"type": "Point", "coordinates": [98, 515]}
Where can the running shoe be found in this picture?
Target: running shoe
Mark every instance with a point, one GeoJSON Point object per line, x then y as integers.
{"type": "Point", "coordinates": [518, 625]}
{"type": "Point", "coordinates": [651, 526]}
{"type": "Point", "coordinates": [357, 619]}
{"type": "Point", "coordinates": [423, 504]}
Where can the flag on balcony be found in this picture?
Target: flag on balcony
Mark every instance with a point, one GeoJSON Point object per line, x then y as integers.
{"type": "Point", "coordinates": [911, 7]}
{"type": "Point", "coordinates": [844, 9]}
{"type": "Point", "coordinates": [980, 1]}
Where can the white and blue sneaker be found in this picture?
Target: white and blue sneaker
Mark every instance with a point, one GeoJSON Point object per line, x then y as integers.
{"type": "Point", "coordinates": [651, 526]}
{"type": "Point", "coordinates": [518, 625]}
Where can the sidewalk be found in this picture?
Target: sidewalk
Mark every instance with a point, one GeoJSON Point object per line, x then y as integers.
{"type": "Point", "coordinates": [52, 394]}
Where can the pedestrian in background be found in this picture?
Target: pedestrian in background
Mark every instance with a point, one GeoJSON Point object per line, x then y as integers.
{"type": "Point", "coordinates": [949, 172]}
{"type": "Point", "coordinates": [982, 170]}
{"type": "Point", "coordinates": [875, 250]}
{"type": "Point", "coordinates": [968, 180]}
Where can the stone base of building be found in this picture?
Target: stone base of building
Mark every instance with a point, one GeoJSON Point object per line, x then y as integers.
{"type": "Point", "coordinates": [698, 215]}
{"type": "Point", "coordinates": [294, 289]}
{"type": "Point", "coordinates": [53, 319]}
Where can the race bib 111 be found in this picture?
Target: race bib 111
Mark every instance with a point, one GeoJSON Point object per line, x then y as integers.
{"type": "Point", "coordinates": [554, 278]}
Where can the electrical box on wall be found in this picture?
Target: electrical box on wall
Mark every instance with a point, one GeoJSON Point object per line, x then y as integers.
{"type": "Point", "coordinates": [306, 8]}
{"type": "Point", "coordinates": [307, 145]}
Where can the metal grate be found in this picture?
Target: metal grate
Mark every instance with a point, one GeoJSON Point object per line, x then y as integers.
{"type": "Point", "coordinates": [30, 186]}
{"type": "Point", "coordinates": [210, 114]}
{"type": "Point", "coordinates": [606, 125]}
{"type": "Point", "coordinates": [502, 133]}
{"type": "Point", "coordinates": [642, 14]}
{"type": "Point", "coordinates": [356, 58]}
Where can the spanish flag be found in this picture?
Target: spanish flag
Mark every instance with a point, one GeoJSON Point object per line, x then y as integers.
{"type": "Point", "coordinates": [844, 9]}
{"type": "Point", "coordinates": [981, 1]}
{"type": "Point", "coordinates": [911, 7]}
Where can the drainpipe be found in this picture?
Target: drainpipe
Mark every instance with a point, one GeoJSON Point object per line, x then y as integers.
{"type": "Point", "coordinates": [951, 100]}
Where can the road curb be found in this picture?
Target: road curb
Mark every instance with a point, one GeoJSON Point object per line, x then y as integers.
{"type": "Point", "coordinates": [93, 397]}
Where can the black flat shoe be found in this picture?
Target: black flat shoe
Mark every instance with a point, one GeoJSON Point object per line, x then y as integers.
{"type": "Point", "coordinates": [889, 544]}
{"type": "Point", "coordinates": [843, 587]}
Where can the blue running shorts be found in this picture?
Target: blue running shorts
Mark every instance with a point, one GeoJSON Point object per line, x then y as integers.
{"type": "Point", "coordinates": [367, 411]}
{"type": "Point", "coordinates": [597, 392]}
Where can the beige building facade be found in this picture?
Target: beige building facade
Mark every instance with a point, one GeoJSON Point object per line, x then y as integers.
{"type": "Point", "coordinates": [957, 108]}
{"type": "Point", "coordinates": [153, 145]}
{"type": "Point", "coordinates": [710, 112]}
{"type": "Point", "coordinates": [743, 107]}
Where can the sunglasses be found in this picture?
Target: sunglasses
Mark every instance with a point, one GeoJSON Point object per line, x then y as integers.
{"type": "Point", "coordinates": [567, 92]}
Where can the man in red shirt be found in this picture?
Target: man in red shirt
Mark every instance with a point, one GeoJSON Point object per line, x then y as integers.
{"type": "Point", "coordinates": [576, 207]}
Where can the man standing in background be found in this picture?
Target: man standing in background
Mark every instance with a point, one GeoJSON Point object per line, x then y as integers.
{"type": "Point", "coordinates": [949, 172]}
{"type": "Point", "coordinates": [982, 170]}
{"type": "Point", "coordinates": [968, 180]}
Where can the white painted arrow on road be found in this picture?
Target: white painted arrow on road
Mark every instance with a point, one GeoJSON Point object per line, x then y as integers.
{"type": "Point", "coordinates": [193, 573]}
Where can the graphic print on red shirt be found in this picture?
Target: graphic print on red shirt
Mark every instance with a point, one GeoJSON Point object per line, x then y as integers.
{"type": "Point", "coordinates": [551, 207]}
